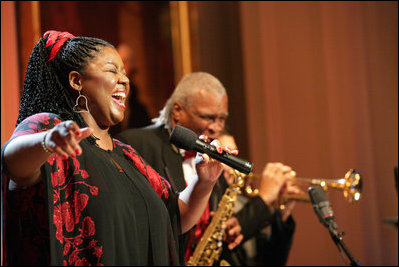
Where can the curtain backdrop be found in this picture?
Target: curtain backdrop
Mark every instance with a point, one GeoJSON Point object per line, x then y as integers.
{"type": "Point", "coordinates": [321, 92]}
{"type": "Point", "coordinates": [321, 95]}
{"type": "Point", "coordinates": [9, 71]}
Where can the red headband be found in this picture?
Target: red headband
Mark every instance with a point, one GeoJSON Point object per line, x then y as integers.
{"type": "Point", "coordinates": [52, 40]}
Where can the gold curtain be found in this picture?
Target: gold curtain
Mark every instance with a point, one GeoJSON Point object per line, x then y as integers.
{"type": "Point", "coordinates": [322, 96]}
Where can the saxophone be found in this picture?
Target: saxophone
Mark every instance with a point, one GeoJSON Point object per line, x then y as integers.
{"type": "Point", "coordinates": [210, 245]}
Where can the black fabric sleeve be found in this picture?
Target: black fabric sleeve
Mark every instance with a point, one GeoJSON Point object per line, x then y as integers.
{"type": "Point", "coordinates": [253, 217]}
{"type": "Point", "coordinates": [273, 249]}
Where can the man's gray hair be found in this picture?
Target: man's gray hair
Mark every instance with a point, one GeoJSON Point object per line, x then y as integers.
{"type": "Point", "coordinates": [188, 86]}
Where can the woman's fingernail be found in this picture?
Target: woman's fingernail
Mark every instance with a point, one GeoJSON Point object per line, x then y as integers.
{"type": "Point", "coordinates": [65, 156]}
{"type": "Point", "coordinates": [73, 155]}
{"type": "Point", "coordinates": [219, 149]}
{"type": "Point", "coordinates": [77, 151]}
{"type": "Point", "coordinates": [78, 133]}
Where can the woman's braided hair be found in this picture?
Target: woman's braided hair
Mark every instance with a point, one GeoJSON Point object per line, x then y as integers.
{"type": "Point", "coordinates": [46, 87]}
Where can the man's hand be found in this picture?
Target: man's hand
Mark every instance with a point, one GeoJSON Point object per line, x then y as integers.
{"type": "Point", "coordinates": [233, 236]}
{"type": "Point", "coordinates": [274, 176]}
{"type": "Point", "coordinates": [289, 189]}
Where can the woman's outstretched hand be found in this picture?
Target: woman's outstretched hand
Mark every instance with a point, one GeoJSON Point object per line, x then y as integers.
{"type": "Point", "coordinates": [64, 139]}
{"type": "Point", "coordinates": [32, 150]}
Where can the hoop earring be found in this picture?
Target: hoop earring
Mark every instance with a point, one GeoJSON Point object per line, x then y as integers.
{"type": "Point", "coordinates": [75, 108]}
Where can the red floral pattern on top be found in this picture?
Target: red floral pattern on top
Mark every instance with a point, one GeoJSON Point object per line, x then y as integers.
{"type": "Point", "coordinates": [35, 124]}
{"type": "Point", "coordinates": [74, 232]}
{"type": "Point", "coordinates": [160, 184]}
{"type": "Point", "coordinates": [69, 195]}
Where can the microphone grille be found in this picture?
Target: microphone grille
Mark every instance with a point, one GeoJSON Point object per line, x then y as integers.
{"type": "Point", "coordinates": [317, 195]}
{"type": "Point", "coordinates": [183, 138]}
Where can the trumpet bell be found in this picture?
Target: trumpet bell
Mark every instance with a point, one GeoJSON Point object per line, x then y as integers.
{"type": "Point", "coordinates": [353, 186]}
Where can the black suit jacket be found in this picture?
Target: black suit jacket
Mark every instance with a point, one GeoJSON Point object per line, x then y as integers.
{"type": "Point", "coordinates": [152, 143]}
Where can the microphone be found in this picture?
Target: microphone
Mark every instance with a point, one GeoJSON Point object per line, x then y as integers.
{"type": "Point", "coordinates": [186, 139]}
{"type": "Point", "coordinates": [322, 207]}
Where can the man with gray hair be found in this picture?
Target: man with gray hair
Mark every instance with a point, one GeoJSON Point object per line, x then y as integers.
{"type": "Point", "coordinates": [199, 103]}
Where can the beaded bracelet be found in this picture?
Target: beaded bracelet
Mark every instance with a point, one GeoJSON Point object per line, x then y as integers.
{"type": "Point", "coordinates": [44, 144]}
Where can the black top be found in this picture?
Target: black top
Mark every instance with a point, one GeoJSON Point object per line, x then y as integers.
{"type": "Point", "coordinates": [152, 142]}
{"type": "Point", "coordinates": [102, 209]}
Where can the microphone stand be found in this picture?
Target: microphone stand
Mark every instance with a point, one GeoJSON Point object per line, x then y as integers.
{"type": "Point", "coordinates": [337, 238]}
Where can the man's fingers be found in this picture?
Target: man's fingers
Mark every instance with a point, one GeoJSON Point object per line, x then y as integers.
{"type": "Point", "coordinates": [236, 229]}
{"type": "Point", "coordinates": [289, 206]}
{"type": "Point", "coordinates": [236, 242]}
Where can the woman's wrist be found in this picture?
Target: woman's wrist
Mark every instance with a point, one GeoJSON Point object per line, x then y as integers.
{"type": "Point", "coordinates": [44, 144]}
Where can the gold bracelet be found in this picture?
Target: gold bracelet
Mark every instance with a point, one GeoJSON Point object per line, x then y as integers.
{"type": "Point", "coordinates": [44, 144]}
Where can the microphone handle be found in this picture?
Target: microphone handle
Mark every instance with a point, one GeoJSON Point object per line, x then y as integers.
{"type": "Point", "coordinates": [319, 216]}
{"type": "Point", "coordinates": [239, 164]}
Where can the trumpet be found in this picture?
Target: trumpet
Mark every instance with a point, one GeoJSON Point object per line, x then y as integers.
{"type": "Point", "coordinates": [350, 184]}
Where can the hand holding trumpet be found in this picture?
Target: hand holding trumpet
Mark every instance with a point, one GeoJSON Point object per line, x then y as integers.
{"type": "Point", "coordinates": [273, 179]}
{"type": "Point", "coordinates": [276, 180]}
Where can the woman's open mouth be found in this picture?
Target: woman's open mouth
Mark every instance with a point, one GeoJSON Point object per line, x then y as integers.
{"type": "Point", "coordinates": [119, 98]}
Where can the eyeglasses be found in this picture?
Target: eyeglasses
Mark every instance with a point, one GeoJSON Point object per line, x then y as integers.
{"type": "Point", "coordinates": [210, 118]}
